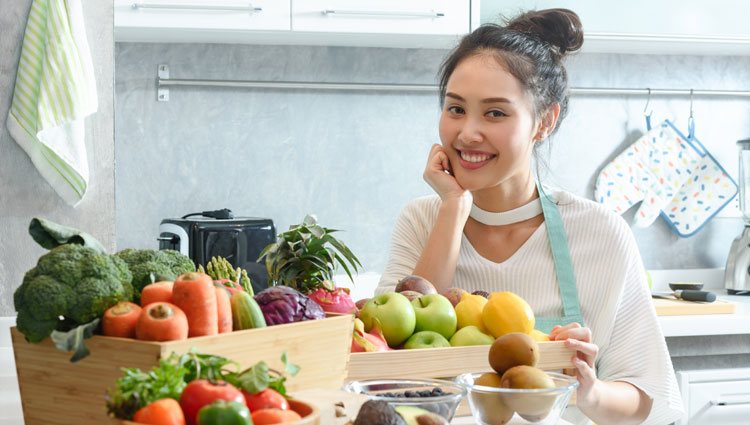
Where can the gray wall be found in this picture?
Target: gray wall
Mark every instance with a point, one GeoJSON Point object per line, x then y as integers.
{"type": "Point", "coordinates": [355, 158]}
{"type": "Point", "coordinates": [23, 192]}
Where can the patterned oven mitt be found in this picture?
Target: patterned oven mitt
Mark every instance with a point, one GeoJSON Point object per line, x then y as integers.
{"type": "Point", "coordinates": [651, 170]}
{"type": "Point", "coordinates": [704, 194]}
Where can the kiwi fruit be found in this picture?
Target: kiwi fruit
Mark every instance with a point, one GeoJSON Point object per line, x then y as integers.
{"type": "Point", "coordinates": [513, 349]}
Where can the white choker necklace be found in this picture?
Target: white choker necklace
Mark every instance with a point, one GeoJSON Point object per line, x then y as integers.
{"type": "Point", "coordinates": [522, 213]}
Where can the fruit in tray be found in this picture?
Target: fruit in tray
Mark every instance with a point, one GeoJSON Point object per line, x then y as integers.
{"type": "Point", "coordinates": [454, 295]}
{"type": "Point", "coordinates": [474, 320]}
{"type": "Point", "coordinates": [505, 313]}
{"type": "Point", "coordinates": [395, 313]}
{"type": "Point", "coordinates": [417, 284]}
{"type": "Point", "coordinates": [435, 313]}
{"type": "Point", "coordinates": [511, 350]}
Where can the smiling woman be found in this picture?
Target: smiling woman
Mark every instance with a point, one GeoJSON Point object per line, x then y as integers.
{"type": "Point", "coordinates": [493, 226]}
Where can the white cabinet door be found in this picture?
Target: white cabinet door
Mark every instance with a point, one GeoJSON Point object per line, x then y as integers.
{"type": "Point", "coordinates": [202, 15]}
{"type": "Point", "coordinates": [646, 26]}
{"type": "Point", "coordinates": [439, 17]}
{"type": "Point", "coordinates": [725, 403]}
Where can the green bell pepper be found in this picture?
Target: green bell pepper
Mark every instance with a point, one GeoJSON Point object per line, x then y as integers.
{"type": "Point", "coordinates": [223, 412]}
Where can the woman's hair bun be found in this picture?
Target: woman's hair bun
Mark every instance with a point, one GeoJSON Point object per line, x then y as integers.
{"type": "Point", "coordinates": [560, 28]}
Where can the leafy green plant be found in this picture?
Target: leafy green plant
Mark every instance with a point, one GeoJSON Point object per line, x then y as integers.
{"type": "Point", "coordinates": [306, 255]}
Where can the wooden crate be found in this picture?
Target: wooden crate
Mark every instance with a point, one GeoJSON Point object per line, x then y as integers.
{"type": "Point", "coordinates": [446, 362]}
{"type": "Point", "coordinates": [55, 391]}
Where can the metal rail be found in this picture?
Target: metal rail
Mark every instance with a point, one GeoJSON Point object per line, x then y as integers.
{"type": "Point", "coordinates": [163, 83]}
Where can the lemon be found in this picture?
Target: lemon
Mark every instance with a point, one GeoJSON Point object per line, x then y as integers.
{"type": "Point", "coordinates": [506, 312]}
{"type": "Point", "coordinates": [469, 311]}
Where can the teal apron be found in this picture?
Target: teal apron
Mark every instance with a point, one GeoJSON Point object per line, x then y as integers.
{"type": "Point", "coordinates": [563, 268]}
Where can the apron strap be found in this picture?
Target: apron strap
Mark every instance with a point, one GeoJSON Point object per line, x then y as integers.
{"type": "Point", "coordinates": [561, 255]}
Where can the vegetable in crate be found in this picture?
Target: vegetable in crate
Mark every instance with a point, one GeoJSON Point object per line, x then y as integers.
{"type": "Point", "coordinates": [71, 281]}
{"type": "Point", "coordinates": [221, 270]}
{"type": "Point", "coordinates": [282, 304]}
{"type": "Point", "coordinates": [305, 257]}
{"type": "Point", "coordinates": [151, 265]}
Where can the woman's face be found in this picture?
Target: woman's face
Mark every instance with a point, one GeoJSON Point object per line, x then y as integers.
{"type": "Point", "coordinates": [487, 125]}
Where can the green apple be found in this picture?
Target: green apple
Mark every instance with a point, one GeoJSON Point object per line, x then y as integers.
{"type": "Point", "coordinates": [426, 339]}
{"type": "Point", "coordinates": [395, 313]}
{"type": "Point", "coordinates": [435, 313]}
{"type": "Point", "coordinates": [470, 335]}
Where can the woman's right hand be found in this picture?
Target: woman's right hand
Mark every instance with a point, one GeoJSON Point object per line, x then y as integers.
{"type": "Point", "coordinates": [439, 175]}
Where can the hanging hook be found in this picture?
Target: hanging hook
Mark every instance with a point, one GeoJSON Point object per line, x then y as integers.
{"type": "Point", "coordinates": [646, 112]}
{"type": "Point", "coordinates": [691, 121]}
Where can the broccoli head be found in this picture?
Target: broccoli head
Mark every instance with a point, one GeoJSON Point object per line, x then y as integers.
{"type": "Point", "coordinates": [70, 285]}
{"type": "Point", "coordinates": [163, 264]}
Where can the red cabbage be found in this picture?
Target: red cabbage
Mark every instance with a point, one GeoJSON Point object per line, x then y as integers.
{"type": "Point", "coordinates": [282, 304]}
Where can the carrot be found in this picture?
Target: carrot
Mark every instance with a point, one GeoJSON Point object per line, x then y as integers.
{"type": "Point", "coordinates": [166, 411]}
{"type": "Point", "coordinates": [224, 310]}
{"type": "Point", "coordinates": [161, 321]}
{"type": "Point", "coordinates": [157, 291]}
{"type": "Point", "coordinates": [195, 294]}
{"type": "Point", "coordinates": [120, 319]}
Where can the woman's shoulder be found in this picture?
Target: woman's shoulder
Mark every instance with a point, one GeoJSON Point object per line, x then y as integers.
{"type": "Point", "coordinates": [583, 213]}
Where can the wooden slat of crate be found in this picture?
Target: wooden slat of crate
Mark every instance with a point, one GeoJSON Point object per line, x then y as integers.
{"type": "Point", "coordinates": [55, 391]}
{"type": "Point", "coordinates": [443, 362]}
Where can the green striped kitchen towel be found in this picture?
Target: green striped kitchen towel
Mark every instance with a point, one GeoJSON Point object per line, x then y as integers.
{"type": "Point", "coordinates": [55, 89]}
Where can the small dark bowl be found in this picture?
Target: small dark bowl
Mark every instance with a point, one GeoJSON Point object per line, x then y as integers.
{"type": "Point", "coordinates": [681, 286]}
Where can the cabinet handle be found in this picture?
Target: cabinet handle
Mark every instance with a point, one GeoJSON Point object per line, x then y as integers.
{"type": "Point", "coordinates": [389, 13]}
{"type": "Point", "coordinates": [728, 402]}
{"type": "Point", "coordinates": [248, 8]}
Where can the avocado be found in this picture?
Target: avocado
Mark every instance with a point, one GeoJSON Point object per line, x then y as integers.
{"type": "Point", "coordinates": [417, 416]}
{"type": "Point", "coordinates": [378, 412]}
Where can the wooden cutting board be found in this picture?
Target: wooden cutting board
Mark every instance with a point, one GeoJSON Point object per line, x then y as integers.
{"type": "Point", "coordinates": [665, 307]}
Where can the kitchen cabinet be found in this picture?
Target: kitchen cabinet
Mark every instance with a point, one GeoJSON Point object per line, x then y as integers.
{"type": "Point", "coordinates": [373, 23]}
{"type": "Point", "coordinates": [720, 396]}
{"type": "Point", "coordinates": [641, 26]}
{"type": "Point", "coordinates": [196, 20]}
{"type": "Point", "coordinates": [446, 17]}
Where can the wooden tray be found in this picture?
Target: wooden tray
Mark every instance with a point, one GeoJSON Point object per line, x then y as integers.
{"type": "Point", "coordinates": [443, 362]}
{"type": "Point", "coordinates": [55, 391]}
{"type": "Point", "coordinates": [666, 307]}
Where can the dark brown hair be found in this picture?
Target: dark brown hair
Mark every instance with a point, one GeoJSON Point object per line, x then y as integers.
{"type": "Point", "coordinates": [531, 47]}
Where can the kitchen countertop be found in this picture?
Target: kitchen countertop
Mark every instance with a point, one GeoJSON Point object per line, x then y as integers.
{"type": "Point", "coordinates": [703, 324]}
{"type": "Point", "coordinates": [711, 324]}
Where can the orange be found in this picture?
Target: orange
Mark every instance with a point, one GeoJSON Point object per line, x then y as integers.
{"type": "Point", "coordinates": [506, 312]}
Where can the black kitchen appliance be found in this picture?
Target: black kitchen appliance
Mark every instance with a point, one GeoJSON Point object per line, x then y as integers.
{"type": "Point", "coordinates": [208, 234]}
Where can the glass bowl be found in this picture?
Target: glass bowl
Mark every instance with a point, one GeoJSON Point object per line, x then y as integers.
{"type": "Point", "coordinates": [434, 395]}
{"type": "Point", "coordinates": [496, 406]}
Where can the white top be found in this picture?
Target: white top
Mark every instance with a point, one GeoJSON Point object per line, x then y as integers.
{"type": "Point", "coordinates": [611, 281]}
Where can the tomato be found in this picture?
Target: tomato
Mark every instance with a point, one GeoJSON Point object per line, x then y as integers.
{"type": "Point", "coordinates": [266, 399]}
{"type": "Point", "coordinates": [201, 392]}
{"type": "Point", "coordinates": [274, 416]}
{"type": "Point", "coordinates": [161, 412]}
